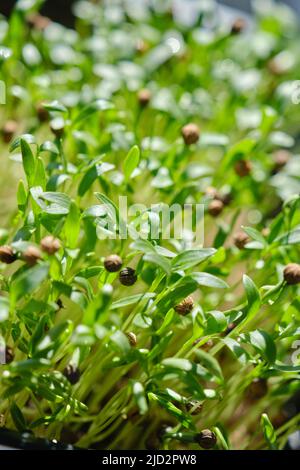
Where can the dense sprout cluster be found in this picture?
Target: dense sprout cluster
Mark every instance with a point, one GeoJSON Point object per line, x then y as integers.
{"type": "Point", "coordinates": [150, 342]}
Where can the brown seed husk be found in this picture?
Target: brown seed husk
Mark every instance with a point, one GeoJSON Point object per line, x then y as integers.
{"type": "Point", "coordinates": [185, 307]}
{"type": "Point", "coordinates": [291, 274]}
{"type": "Point", "coordinates": [113, 263]}
{"type": "Point", "coordinates": [243, 168]}
{"type": "Point", "coordinates": [8, 131]}
{"type": "Point", "coordinates": [190, 133]}
{"type": "Point", "coordinates": [131, 338]}
{"type": "Point", "coordinates": [7, 254]}
{"type": "Point", "coordinates": [215, 207]}
{"type": "Point", "coordinates": [32, 255]}
{"type": "Point", "coordinates": [50, 244]}
{"type": "Point", "coordinates": [240, 240]}
{"type": "Point", "coordinates": [144, 97]}
{"type": "Point", "coordinates": [72, 373]}
{"type": "Point", "coordinates": [238, 26]}
{"type": "Point", "coordinates": [127, 277]}
{"type": "Point", "coordinates": [206, 439]}
{"type": "Point", "coordinates": [194, 407]}
{"type": "Point", "coordinates": [9, 355]}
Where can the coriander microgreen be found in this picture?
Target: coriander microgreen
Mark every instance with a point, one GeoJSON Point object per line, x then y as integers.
{"type": "Point", "coordinates": [100, 316]}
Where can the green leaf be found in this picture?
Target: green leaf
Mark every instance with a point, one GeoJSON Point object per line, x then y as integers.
{"type": "Point", "coordinates": [256, 235]}
{"type": "Point", "coordinates": [110, 206]}
{"type": "Point", "coordinates": [40, 178]}
{"type": "Point", "coordinates": [91, 175]}
{"type": "Point", "coordinates": [160, 347]}
{"type": "Point", "coordinates": [28, 281]}
{"type": "Point", "coordinates": [168, 319]}
{"type": "Point", "coordinates": [18, 418]}
{"type": "Point", "coordinates": [191, 258]}
{"type": "Point", "coordinates": [131, 161]}
{"type": "Point", "coordinates": [186, 287]}
{"type": "Point", "coordinates": [54, 339]}
{"type": "Point", "coordinates": [221, 438]}
{"type": "Point", "coordinates": [182, 417]}
{"type": "Point", "coordinates": [186, 366]}
{"type": "Point", "coordinates": [269, 432]}
{"type": "Point", "coordinates": [38, 333]}
{"type": "Point", "coordinates": [140, 397]}
{"type": "Point", "coordinates": [90, 271]}
{"type": "Point", "coordinates": [158, 260]}
{"type": "Point", "coordinates": [88, 179]}
{"type": "Point", "coordinates": [72, 226]}
{"type": "Point", "coordinates": [132, 299]}
{"type": "Point", "coordinates": [53, 203]}
{"type": "Point", "coordinates": [120, 340]}
{"type": "Point", "coordinates": [286, 367]}
{"type": "Point", "coordinates": [59, 202]}
{"type": "Point", "coordinates": [142, 245]}
{"type": "Point", "coordinates": [55, 106]}
{"type": "Point", "coordinates": [253, 297]}
{"type": "Point", "coordinates": [208, 280]}
{"type": "Point", "coordinates": [4, 309]}
{"type": "Point", "coordinates": [290, 238]}
{"type": "Point", "coordinates": [99, 105]}
{"type": "Point", "coordinates": [49, 146]}
{"type": "Point", "coordinates": [28, 161]}
{"type": "Point", "coordinates": [21, 195]}
{"type": "Point", "coordinates": [210, 363]}
{"type": "Point", "coordinates": [241, 354]}
{"type": "Point", "coordinates": [176, 363]}
{"type": "Point", "coordinates": [262, 343]}
{"type": "Point", "coordinates": [28, 138]}
{"type": "Point", "coordinates": [29, 365]}
{"type": "Point", "coordinates": [276, 227]}
{"type": "Point", "coordinates": [216, 322]}
{"type": "Point", "coordinates": [238, 151]}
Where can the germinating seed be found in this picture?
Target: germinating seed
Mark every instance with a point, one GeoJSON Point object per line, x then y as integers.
{"type": "Point", "coordinates": [144, 97]}
{"type": "Point", "coordinates": [42, 113]}
{"type": "Point", "coordinates": [190, 133]}
{"type": "Point", "coordinates": [291, 273]}
{"type": "Point", "coordinates": [230, 328]}
{"type": "Point", "coordinates": [185, 306]}
{"type": "Point", "coordinates": [194, 407]}
{"type": "Point", "coordinates": [72, 373]}
{"type": "Point", "coordinates": [238, 26]}
{"type": "Point", "coordinates": [215, 208]}
{"type": "Point", "coordinates": [208, 345]}
{"type": "Point", "coordinates": [206, 439]}
{"type": "Point", "coordinates": [132, 338]}
{"type": "Point", "coordinates": [50, 244]}
{"type": "Point", "coordinates": [113, 263]}
{"type": "Point", "coordinates": [31, 255]}
{"type": "Point", "coordinates": [7, 254]}
{"type": "Point", "coordinates": [9, 355]}
{"type": "Point", "coordinates": [281, 158]}
{"type": "Point", "coordinates": [9, 130]}
{"type": "Point", "coordinates": [127, 277]}
{"type": "Point", "coordinates": [241, 239]}
{"type": "Point", "coordinates": [243, 168]}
